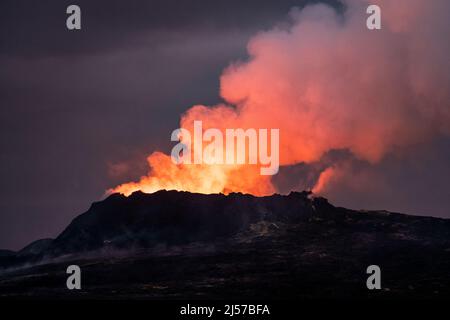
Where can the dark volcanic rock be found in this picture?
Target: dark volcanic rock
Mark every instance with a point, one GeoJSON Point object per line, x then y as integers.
{"type": "Point", "coordinates": [171, 217]}
{"type": "Point", "coordinates": [35, 248]}
{"type": "Point", "coordinates": [181, 245]}
{"type": "Point", "coordinates": [6, 253]}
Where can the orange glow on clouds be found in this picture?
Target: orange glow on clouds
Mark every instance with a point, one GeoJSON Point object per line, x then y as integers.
{"type": "Point", "coordinates": [164, 174]}
{"type": "Point", "coordinates": [327, 83]}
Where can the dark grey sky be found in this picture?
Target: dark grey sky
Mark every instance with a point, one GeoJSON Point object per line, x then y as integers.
{"type": "Point", "coordinates": [74, 105]}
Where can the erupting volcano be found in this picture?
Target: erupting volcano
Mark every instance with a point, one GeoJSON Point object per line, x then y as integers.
{"type": "Point", "coordinates": [326, 83]}
{"type": "Point", "coordinates": [319, 106]}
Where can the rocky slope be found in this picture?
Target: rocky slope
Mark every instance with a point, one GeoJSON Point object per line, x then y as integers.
{"type": "Point", "coordinates": [181, 245]}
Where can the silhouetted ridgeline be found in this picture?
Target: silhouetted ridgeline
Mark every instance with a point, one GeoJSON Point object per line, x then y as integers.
{"type": "Point", "coordinates": [187, 244]}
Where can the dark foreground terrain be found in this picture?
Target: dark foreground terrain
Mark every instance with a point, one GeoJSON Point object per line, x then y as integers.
{"type": "Point", "coordinates": [177, 245]}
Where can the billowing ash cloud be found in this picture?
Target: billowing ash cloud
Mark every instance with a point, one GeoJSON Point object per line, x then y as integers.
{"type": "Point", "coordinates": [328, 83]}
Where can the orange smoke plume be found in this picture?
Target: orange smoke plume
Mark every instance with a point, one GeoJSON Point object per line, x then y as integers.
{"type": "Point", "coordinates": [324, 179]}
{"type": "Point", "coordinates": [328, 83]}
{"type": "Point", "coordinates": [165, 174]}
